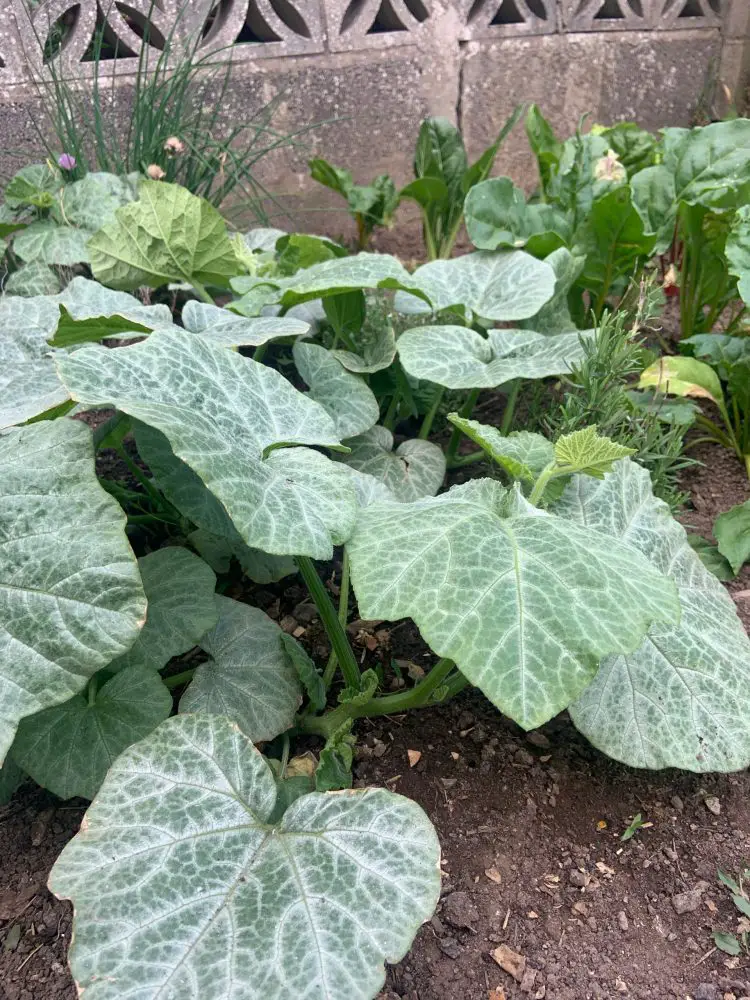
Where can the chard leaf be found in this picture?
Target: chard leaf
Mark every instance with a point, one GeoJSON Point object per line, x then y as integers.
{"type": "Point", "coordinates": [226, 416]}
{"type": "Point", "coordinates": [525, 603]}
{"type": "Point", "coordinates": [497, 216]}
{"type": "Point", "coordinates": [167, 235]}
{"type": "Point", "coordinates": [738, 251]}
{"type": "Point", "coordinates": [32, 279]}
{"type": "Point", "coordinates": [249, 678]}
{"type": "Point", "coordinates": [521, 454]}
{"type": "Point", "coordinates": [732, 532]}
{"type": "Point", "coordinates": [712, 164]}
{"type": "Point", "coordinates": [588, 452]}
{"type": "Point", "coordinates": [654, 199]}
{"type": "Point", "coordinates": [45, 242]}
{"type": "Point", "coordinates": [711, 558]}
{"type": "Point", "coordinates": [268, 913]}
{"type": "Point", "coordinates": [217, 539]}
{"type": "Point", "coordinates": [415, 469]}
{"type": "Point", "coordinates": [221, 326]}
{"type": "Point", "coordinates": [682, 698]}
{"type": "Point", "coordinates": [69, 748]}
{"type": "Point", "coordinates": [71, 598]}
{"type": "Point", "coordinates": [681, 376]}
{"type": "Point", "coordinates": [505, 285]}
{"type": "Point", "coordinates": [346, 397]}
{"type": "Point", "coordinates": [179, 587]}
{"type": "Point", "coordinates": [460, 358]}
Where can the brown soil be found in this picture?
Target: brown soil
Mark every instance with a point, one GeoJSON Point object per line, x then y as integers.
{"type": "Point", "coordinates": [594, 918]}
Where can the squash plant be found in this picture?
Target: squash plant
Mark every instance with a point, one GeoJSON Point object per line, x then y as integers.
{"type": "Point", "coordinates": [207, 866]}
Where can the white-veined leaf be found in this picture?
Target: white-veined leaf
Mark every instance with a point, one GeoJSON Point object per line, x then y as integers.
{"type": "Point", "coordinates": [249, 678]}
{"type": "Point", "coordinates": [45, 242]}
{"type": "Point", "coordinates": [682, 698]}
{"type": "Point", "coordinates": [522, 454]}
{"type": "Point", "coordinates": [309, 908]}
{"type": "Point", "coordinates": [525, 603]}
{"type": "Point", "coordinates": [347, 397]}
{"type": "Point", "coordinates": [70, 598]}
{"type": "Point", "coordinates": [222, 326]}
{"type": "Point", "coordinates": [415, 469]}
{"type": "Point", "coordinates": [225, 416]}
{"type": "Point", "coordinates": [32, 279]}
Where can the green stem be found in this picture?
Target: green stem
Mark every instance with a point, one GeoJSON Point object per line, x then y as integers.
{"type": "Point", "coordinates": [429, 238]}
{"type": "Point", "coordinates": [177, 680]}
{"type": "Point", "coordinates": [202, 294]}
{"type": "Point", "coordinates": [391, 704]}
{"type": "Point", "coordinates": [461, 460]}
{"type": "Point", "coordinates": [333, 660]}
{"type": "Point", "coordinates": [93, 687]}
{"type": "Point", "coordinates": [105, 429]}
{"type": "Point", "coordinates": [747, 465]}
{"type": "Point", "coordinates": [424, 430]}
{"type": "Point", "coordinates": [390, 414]}
{"type": "Point", "coordinates": [553, 471]}
{"type": "Point", "coordinates": [284, 757]}
{"type": "Point", "coordinates": [510, 407]}
{"type": "Point", "coordinates": [142, 478]}
{"type": "Point", "coordinates": [260, 353]}
{"type": "Point", "coordinates": [465, 411]}
{"type": "Point", "coordinates": [331, 622]}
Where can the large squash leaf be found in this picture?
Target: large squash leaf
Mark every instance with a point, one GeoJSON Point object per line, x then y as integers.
{"type": "Point", "coordinates": [346, 274]}
{"type": "Point", "coordinates": [167, 235]}
{"type": "Point", "coordinates": [524, 602]}
{"type": "Point", "coordinates": [522, 454]}
{"type": "Point", "coordinates": [347, 397]}
{"type": "Point", "coordinates": [249, 678]}
{"type": "Point", "coordinates": [682, 697]}
{"type": "Point", "coordinates": [70, 596]}
{"type": "Point", "coordinates": [460, 358]}
{"type": "Point", "coordinates": [222, 326]}
{"type": "Point", "coordinates": [45, 242]}
{"type": "Point", "coordinates": [226, 416]}
{"type": "Point", "coordinates": [506, 285]}
{"type": "Point", "coordinates": [196, 894]}
{"type": "Point", "coordinates": [69, 748]}
{"type": "Point", "coordinates": [415, 469]}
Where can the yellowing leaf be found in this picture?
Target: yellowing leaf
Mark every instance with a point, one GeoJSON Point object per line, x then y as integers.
{"type": "Point", "coordinates": [683, 377]}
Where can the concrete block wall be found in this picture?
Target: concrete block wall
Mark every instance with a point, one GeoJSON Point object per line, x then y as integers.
{"type": "Point", "coordinates": [375, 68]}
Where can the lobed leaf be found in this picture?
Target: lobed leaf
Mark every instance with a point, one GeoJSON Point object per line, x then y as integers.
{"type": "Point", "coordinates": [415, 469]}
{"type": "Point", "coordinates": [346, 397]}
{"type": "Point", "coordinates": [221, 326]}
{"type": "Point", "coordinates": [522, 454]}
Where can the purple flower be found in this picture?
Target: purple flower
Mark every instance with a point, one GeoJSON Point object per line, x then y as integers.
{"type": "Point", "coordinates": [67, 162]}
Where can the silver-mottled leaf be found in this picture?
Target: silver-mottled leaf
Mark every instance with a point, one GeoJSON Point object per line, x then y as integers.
{"type": "Point", "coordinates": [376, 350]}
{"type": "Point", "coordinates": [460, 358]}
{"type": "Point", "coordinates": [45, 242]}
{"type": "Point", "coordinates": [193, 894]}
{"type": "Point", "coordinates": [501, 285]}
{"type": "Point", "coordinates": [69, 748]}
{"type": "Point", "coordinates": [221, 413]}
{"type": "Point", "coordinates": [345, 274]}
{"type": "Point", "coordinates": [249, 678]}
{"type": "Point", "coordinates": [222, 326]}
{"type": "Point", "coordinates": [525, 603]}
{"type": "Point", "coordinates": [522, 454]}
{"type": "Point", "coordinates": [70, 597]}
{"type": "Point", "coordinates": [347, 397]}
{"type": "Point", "coordinates": [32, 279]}
{"type": "Point", "coordinates": [415, 469]}
{"type": "Point", "coordinates": [682, 698]}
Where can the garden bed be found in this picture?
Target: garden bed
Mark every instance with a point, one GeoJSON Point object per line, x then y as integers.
{"type": "Point", "coordinates": [592, 916]}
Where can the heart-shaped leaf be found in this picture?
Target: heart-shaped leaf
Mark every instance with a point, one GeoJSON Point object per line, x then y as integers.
{"type": "Point", "coordinates": [588, 452]}
{"type": "Point", "coordinates": [71, 598]}
{"type": "Point", "coordinates": [167, 235]}
{"type": "Point", "coordinates": [525, 603]}
{"type": "Point", "coordinates": [682, 698]}
{"type": "Point", "coordinates": [181, 607]}
{"type": "Point", "coordinates": [505, 285]}
{"type": "Point", "coordinates": [460, 358]}
{"type": "Point", "coordinates": [347, 397]}
{"type": "Point", "coordinates": [69, 748]}
{"type": "Point", "coordinates": [415, 469]}
{"type": "Point", "coordinates": [311, 906]}
{"type": "Point", "coordinates": [225, 416]}
{"type": "Point", "coordinates": [250, 679]}
{"type": "Point", "coordinates": [37, 185]}
{"type": "Point", "coordinates": [221, 326]}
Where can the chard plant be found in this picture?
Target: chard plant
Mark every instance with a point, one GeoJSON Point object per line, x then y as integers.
{"type": "Point", "coordinates": [208, 865]}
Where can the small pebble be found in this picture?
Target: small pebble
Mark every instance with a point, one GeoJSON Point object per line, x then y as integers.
{"type": "Point", "coordinates": [622, 920]}
{"type": "Point", "coordinates": [713, 805]}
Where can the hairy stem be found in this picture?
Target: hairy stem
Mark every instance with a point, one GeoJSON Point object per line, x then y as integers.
{"type": "Point", "coordinates": [465, 411]}
{"type": "Point", "coordinates": [333, 660]}
{"type": "Point", "coordinates": [424, 430]}
{"type": "Point", "coordinates": [331, 623]}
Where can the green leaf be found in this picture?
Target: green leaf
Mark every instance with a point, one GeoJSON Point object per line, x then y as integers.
{"type": "Point", "coordinates": [727, 943]}
{"type": "Point", "coordinates": [545, 145]}
{"type": "Point", "coordinates": [415, 469]}
{"type": "Point", "coordinates": [28, 381]}
{"type": "Point", "coordinates": [728, 881]}
{"type": "Point", "coordinates": [33, 279]}
{"type": "Point", "coordinates": [440, 153]}
{"type": "Point", "coordinates": [70, 597]}
{"type": "Point", "coordinates": [72, 331]}
{"type": "Point", "coordinates": [481, 168]}
{"type": "Point", "coordinates": [250, 679]}
{"type": "Point", "coordinates": [635, 147]}
{"type": "Point", "coordinates": [521, 454]}
{"type": "Point", "coordinates": [11, 779]}
{"type": "Point", "coordinates": [712, 164]}
{"type": "Point", "coordinates": [633, 828]}
{"type": "Point", "coordinates": [681, 699]}
{"type": "Point", "coordinates": [185, 490]}
{"type": "Point", "coordinates": [307, 673]}
{"type": "Point", "coordinates": [335, 178]}
{"type": "Point", "coordinates": [297, 251]}
{"type": "Point", "coordinates": [742, 903]}
{"type": "Point", "coordinates": [554, 316]}
{"type": "Point", "coordinates": [655, 200]}
{"type": "Point", "coordinates": [375, 202]}
{"type": "Point", "coordinates": [45, 242]}
{"type": "Point", "coordinates": [92, 202]}
{"type": "Point", "coordinates": [588, 452]}
{"type": "Point", "coordinates": [334, 770]}
{"type": "Point", "coordinates": [346, 313]}
{"type": "Point", "coordinates": [525, 603]}
{"type": "Point", "coordinates": [460, 358]}
{"type": "Point", "coordinates": [497, 216]}
{"type": "Point", "coordinates": [505, 285]}
{"type": "Point", "coordinates": [428, 192]}
{"type": "Point", "coordinates": [670, 411]}
{"type": "Point", "coordinates": [375, 350]}
{"type": "Point", "coordinates": [167, 235]}
{"type": "Point", "coordinates": [681, 376]}
{"type": "Point", "coordinates": [225, 416]}
{"type": "Point", "coordinates": [221, 326]}
{"type": "Point", "coordinates": [732, 532]}
{"type": "Point", "coordinates": [721, 350]}
{"type": "Point", "coordinates": [738, 251]}
{"type": "Point", "coordinates": [37, 185]}
{"type": "Point", "coordinates": [69, 748]}
{"type": "Point", "coordinates": [267, 912]}
{"type": "Point", "coordinates": [181, 608]}
{"type": "Point", "coordinates": [711, 558]}
{"type": "Point", "coordinates": [347, 274]}
{"type": "Point", "coordinates": [346, 397]}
